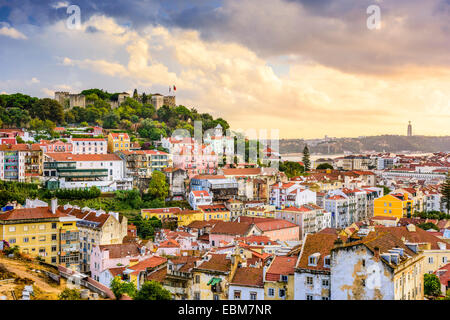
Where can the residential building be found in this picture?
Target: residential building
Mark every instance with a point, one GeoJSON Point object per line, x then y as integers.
{"type": "Point", "coordinates": [176, 178]}
{"type": "Point", "coordinates": [69, 171]}
{"type": "Point", "coordinates": [89, 146]}
{"type": "Point", "coordinates": [118, 142]}
{"type": "Point", "coordinates": [279, 278]}
{"type": "Point", "coordinates": [247, 284]}
{"type": "Point", "coordinates": [215, 212]}
{"type": "Point", "coordinates": [43, 231]}
{"type": "Point", "coordinates": [284, 195]}
{"type": "Point", "coordinates": [199, 198]}
{"type": "Point", "coordinates": [226, 232]}
{"type": "Point", "coordinates": [394, 205]}
{"type": "Point", "coordinates": [312, 272]}
{"type": "Point", "coordinates": [21, 162]}
{"type": "Point", "coordinates": [379, 267]}
{"type": "Point", "coordinates": [55, 146]}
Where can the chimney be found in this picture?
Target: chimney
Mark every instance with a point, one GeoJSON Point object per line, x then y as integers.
{"type": "Point", "coordinates": [54, 205]}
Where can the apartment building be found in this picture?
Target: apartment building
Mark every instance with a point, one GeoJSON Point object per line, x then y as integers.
{"type": "Point", "coordinates": [43, 231]}
{"type": "Point", "coordinates": [118, 142]}
{"type": "Point", "coordinates": [69, 171]}
{"type": "Point", "coordinates": [21, 162]}
{"type": "Point", "coordinates": [89, 146]}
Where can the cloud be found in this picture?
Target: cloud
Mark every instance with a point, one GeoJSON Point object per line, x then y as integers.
{"type": "Point", "coordinates": [60, 4]}
{"type": "Point", "coordinates": [11, 32]}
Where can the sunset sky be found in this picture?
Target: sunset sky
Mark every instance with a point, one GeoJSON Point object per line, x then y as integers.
{"type": "Point", "coordinates": [306, 67]}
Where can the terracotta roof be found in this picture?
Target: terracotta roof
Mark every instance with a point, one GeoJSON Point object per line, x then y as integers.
{"type": "Point", "coordinates": [169, 244]}
{"type": "Point", "coordinates": [248, 277]}
{"type": "Point", "coordinates": [31, 213]}
{"type": "Point", "coordinates": [60, 156]}
{"type": "Point", "coordinates": [88, 139]}
{"type": "Point", "coordinates": [213, 208]}
{"type": "Point", "coordinates": [281, 265]}
{"type": "Point", "coordinates": [117, 135]}
{"type": "Point", "coordinates": [121, 250]}
{"type": "Point", "coordinates": [199, 193]}
{"type": "Point", "coordinates": [230, 228]}
{"type": "Point", "coordinates": [417, 236]}
{"type": "Point", "coordinates": [158, 275]}
{"type": "Point", "coordinates": [162, 210]}
{"type": "Point", "coordinates": [207, 177]}
{"type": "Point", "coordinates": [275, 224]}
{"type": "Point", "coordinates": [151, 262]}
{"type": "Point", "coordinates": [317, 243]}
{"type": "Point", "coordinates": [20, 147]}
{"type": "Point", "coordinates": [242, 171]}
{"type": "Point", "coordinates": [444, 275]}
{"type": "Point", "coordinates": [116, 271]}
{"type": "Point", "coordinates": [217, 262]}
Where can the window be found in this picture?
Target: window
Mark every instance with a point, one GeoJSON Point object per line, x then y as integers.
{"type": "Point", "coordinates": [53, 237]}
{"type": "Point", "coordinates": [444, 259]}
{"type": "Point", "coordinates": [271, 292]}
{"type": "Point", "coordinates": [327, 261]}
{"type": "Point", "coordinates": [363, 282]}
{"type": "Point", "coordinates": [12, 240]}
{"type": "Point", "coordinates": [216, 297]}
{"type": "Point", "coordinates": [325, 282]}
{"type": "Point", "coordinates": [284, 278]}
{"type": "Point", "coordinates": [26, 239]}
{"type": "Point", "coordinates": [325, 298]}
{"type": "Point", "coordinates": [237, 295]}
{"type": "Point", "coordinates": [25, 228]}
{"type": "Point", "coordinates": [12, 229]}
{"type": "Point", "coordinates": [309, 280]}
{"type": "Point", "coordinates": [197, 279]}
{"type": "Point", "coordinates": [53, 259]}
{"type": "Point", "coordinates": [41, 238]}
{"type": "Point", "coordinates": [42, 227]}
{"type": "Point", "coordinates": [363, 262]}
{"type": "Point", "coordinates": [253, 295]}
{"type": "Point", "coordinates": [430, 260]}
{"type": "Point", "coordinates": [309, 297]}
{"type": "Point", "coordinates": [281, 293]}
{"type": "Point", "coordinates": [54, 225]}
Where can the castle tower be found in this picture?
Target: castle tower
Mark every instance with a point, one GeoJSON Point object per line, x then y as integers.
{"type": "Point", "coordinates": [409, 129]}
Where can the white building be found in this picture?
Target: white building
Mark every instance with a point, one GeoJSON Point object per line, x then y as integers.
{"type": "Point", "coordinates": [221, 144]}
{"type": "Point", "coordinates": [247, 284]}
{"type": "Point", "coordinates": [312, 272]}
{"type": "Point", "coordinates": [200, 198]}
{"type": "Point", "coordinates": [89, 146]}
{"type": "Point", "coordinates": [104, 171]}
{"type": "Point", "coordinates": [290, 194]}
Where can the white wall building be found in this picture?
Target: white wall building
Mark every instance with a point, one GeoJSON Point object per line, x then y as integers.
{"type": "Point", "coordinates": [89, 146]}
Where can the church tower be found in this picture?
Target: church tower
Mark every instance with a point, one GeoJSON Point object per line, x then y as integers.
{"type": "Point", "coordinates": [409, 129]}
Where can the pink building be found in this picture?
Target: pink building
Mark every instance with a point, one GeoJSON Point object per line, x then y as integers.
{"type": "Point", "coordinates": [226, 232]}
{"type": "Point", "coordinates": [275, 229]}
{"type": "Point", "coordinates": [169, 247]}
{"type": "Point", "coordinates": [195, 159]}
{"type": "Point", "coordinates": [114, 256]}
{"type": "Point", "coordinates": [55, 146]}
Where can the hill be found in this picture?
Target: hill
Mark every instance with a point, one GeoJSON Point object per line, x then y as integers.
{"type": "Point", "coordinates": [384, 143]}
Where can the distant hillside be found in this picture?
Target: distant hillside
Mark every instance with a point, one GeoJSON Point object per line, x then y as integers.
{"type": "Point", "coordinates": [386, 143]}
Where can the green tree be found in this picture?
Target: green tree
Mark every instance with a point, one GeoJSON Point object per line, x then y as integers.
{"type": "Point", "coordinates": [70, 294]}
{"type": "Point", "coordinates": [152, 290]}
{"type": "Point", "coordinates": [445, 191]}
{"type": "Point", "coordinates": [432, 285]}
{"type": "Point", "coordinates": [428, 226]}
{"type": "Point", "coordinates": [305, 159]}
{"type": "Point", "coordinates": [158, 187]}
{"type": "Point", "coordinates": [48, 109]}
{"type": "Point", "coordinates": [324, 166]}
{"type": "Point", "coordinates": [135, 94]}
{"type": "Point", "coordinates": [119, 288]}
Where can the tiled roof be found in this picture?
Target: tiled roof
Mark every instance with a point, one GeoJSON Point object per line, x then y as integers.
{"type": "Point", "coordinates": [117, 135]}
{"type": "Point", "coordinates": [31, 213]}
{"type": "Point", "coordinates": [169, 244]}
{"type": "Point", "coordinates": [20, 147]}
{"type": "Point", "coordinates": [158, 275]}
{"type": "Point", "coordinates": [444, 275]}
{"type": "Point", "coordinates": [417, 236]}
{"type": "Point", "coordinates": [83, 157]}
{"type": "Point", "coordinates": [88, 139]}
{"type": "Point", "coordinates": [213, 208]}
{"type": "Point", "coordinates": [208, 176]}
{"type": "Point", "coordinates": [199, 193]}
{"type": "Point", "coordinates": [151, 262]}
{"type": "Point", "coordinates": [281, 265]}
{"type": "Point", "coordinates": [121, 250]}
{"type": "Point", "coordinates": [249, 277]}
{"type": "Point", "coordinates": [217, 262]}
{"type": "Point", "coordinates": [172, 210]}
{"type": "Point", "coordinates": [275, 224]}
{"type": "Point", "coordinates": [230, 228]}
{"type": "Point", "coordinates": [316, 243]}
{"type": "Point", "coordinates": [242, 171]}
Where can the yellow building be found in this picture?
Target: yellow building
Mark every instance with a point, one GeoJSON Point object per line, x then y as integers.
{"type": "Point", "coordinates": [118, 142]}
{"type": "Point", "coordinates": [279, 279]}
{"type": "Point", "coordinates": [184, 217]}
{"type": "Point", "coordinates": [393, 205]}
{"type": "Point", "coordinates": [215, 212]}
{"type": "Point", "coordinates": [211, 277]}
{"type": "Point", "coordinates": [262, 212]}
{"type": "Point", "coordinates": [45, 232]}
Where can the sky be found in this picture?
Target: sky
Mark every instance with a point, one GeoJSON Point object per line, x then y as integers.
{"type": "Point", "coordinates": [307, 68]}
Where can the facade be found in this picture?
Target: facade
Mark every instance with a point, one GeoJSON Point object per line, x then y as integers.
{"type": "Point", "coordinates": [55, 146]}
{"type": "Point", "coordinates": [380, 267]}
{"type": "Point", "coordinates": [118, 142]}
{"type": "Point", "coordinates": [69, 171]}
{"type": "Point", "coordinates": [176, 178]}
{"type": "Point", "coordinates": [21, 162]}
{"type": "Point", "coordinates": [96, 228]}
{"type": "Point", "coordinates": [279, 279]}
{"type": "Point", "coordinates": [89, 146]}
{"type": "Point", "coordinates": [43, 231]}
{"type": "Point", "coordinates": [312, 272]}
{"type": "Point", "coordinates": [247, 284]}
{"type": "Point", "coordinates": [284, 195]}
{"type": "Point", "coordinates": [199, 198]}
{"type": "Point", "coordinates": [394, 205]}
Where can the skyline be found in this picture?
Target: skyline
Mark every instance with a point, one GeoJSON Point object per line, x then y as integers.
{"type": "Point", "coordinates": [318, 71]}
